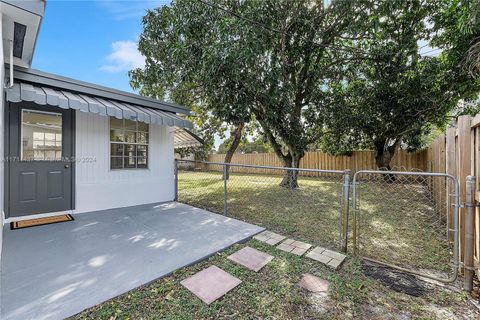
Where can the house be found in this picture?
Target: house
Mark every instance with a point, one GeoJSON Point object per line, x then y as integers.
{"type": "Point", "coordinates": [102, 158]}
{"type": "Point", "coordinates": [72, 146]}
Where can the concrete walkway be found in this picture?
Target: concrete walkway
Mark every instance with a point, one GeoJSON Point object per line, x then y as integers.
{"type": "Point", "coordinates": [55, 271]}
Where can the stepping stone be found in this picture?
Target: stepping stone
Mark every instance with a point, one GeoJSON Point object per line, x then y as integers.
{"type": "Point", "coordinates": [294, 246]}
{"type": "Point", "coordinates": [210, 284]}
{"type": "Point", "coordinates": [330, 258]}
{"type": "Point", "coordinates": [269, 237]}
{"type": "Point", "coordinates": [314, 284]}
{"type": "Point", "coordinates": [251, 258]}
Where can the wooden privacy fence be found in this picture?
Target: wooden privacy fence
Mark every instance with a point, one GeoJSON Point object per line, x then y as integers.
{"type": "Point", "coordinates": [360, 160]}
{"type": "Point", "coordinates": [458, 154]}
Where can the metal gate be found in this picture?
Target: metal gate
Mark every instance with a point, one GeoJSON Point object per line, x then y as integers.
{"type": "Point", "coordinates": [408, 221]}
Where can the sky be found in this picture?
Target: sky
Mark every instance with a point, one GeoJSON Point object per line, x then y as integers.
{"type": "Point", "coordinates": [93, 41]}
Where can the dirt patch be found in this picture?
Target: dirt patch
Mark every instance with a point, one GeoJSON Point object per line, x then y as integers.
{"type": "Point", "coordinates": [476, 288]}
{"type": "Point", "coordinates": [396, 280]}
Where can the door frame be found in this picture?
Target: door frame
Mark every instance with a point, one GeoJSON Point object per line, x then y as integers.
{"type": "Point", "coordinates": [8, 157]}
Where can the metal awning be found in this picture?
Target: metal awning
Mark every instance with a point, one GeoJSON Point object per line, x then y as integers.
{"type": "Point", "coordinates": [64, 99]}
{"type": "Point", "coordinates": [184, 138]}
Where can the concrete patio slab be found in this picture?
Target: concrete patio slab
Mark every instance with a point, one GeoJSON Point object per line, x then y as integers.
{"type": "Point", "coordinates": [210, 284]}
{"type": "Point", "coordinates": [55, 271]}
{"type": "Point", "coordinates": [251, 258]}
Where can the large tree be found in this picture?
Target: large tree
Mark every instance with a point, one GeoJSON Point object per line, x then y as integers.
{"type": "Point", "coordinates": [398, 95]}
{"type": "Point", "coordinates": [269, 58]}
{"type": "Point", "coordinates": [172, 49]}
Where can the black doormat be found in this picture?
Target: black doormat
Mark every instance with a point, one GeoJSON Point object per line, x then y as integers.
{"type": "Point", "coordinates": [40, 221]}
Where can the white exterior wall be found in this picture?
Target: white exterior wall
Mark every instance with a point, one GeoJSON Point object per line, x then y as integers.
{"type": "Point", "coordinates": [97, 187]}
{"type": "Point", "coordinates": [2, 129]}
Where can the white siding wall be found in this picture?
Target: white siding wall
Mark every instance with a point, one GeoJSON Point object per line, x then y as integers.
{"type": "Point", "coordinates": [98, 187]}
{"type": "Point", "coordinates": [2, 124]}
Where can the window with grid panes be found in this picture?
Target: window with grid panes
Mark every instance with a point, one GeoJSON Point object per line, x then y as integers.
{"type": "Point", "coordinates": [128, 144]}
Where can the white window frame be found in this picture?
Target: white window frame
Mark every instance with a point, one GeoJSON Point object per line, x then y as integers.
{"type": "Point", "coordinates": [110, 142]}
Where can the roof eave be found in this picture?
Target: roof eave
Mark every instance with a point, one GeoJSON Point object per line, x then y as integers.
{"type": "Point", "coordinates": [53, 80]}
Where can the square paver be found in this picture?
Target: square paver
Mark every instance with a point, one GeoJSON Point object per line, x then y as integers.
{"type": "Point", "coordinates": [251, 258]}
{"type": "Point", "coordinates": [302, 245]}
{"type": "Point", "coordinates": [210, 284]}
{"type": "Point", "coordinates": [285, 247]}
{"type": "Point", "coordinates": [318, 257]}
{"type": "Point", "coordinates": [272, 241]}
{"type": "Point", "coordinates": [314, 284]}
{"type": "Point", "coordinates": [316, 253]}
{"type": "Point", "coordinates": [334, 263]}
{"type": "Point", "coordinates": [269, 237]}
{"type": "Point", "coordinates": [334, 255]}
{"type": "Point", "coordinates": [294, 246]}
{"type": "Point", "coordinates": [328, 257]}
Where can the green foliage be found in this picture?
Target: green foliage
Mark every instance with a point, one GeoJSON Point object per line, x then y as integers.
{"type": "Point", "coordinates": [236, 68]}
{"type": "Point", "coordinates": [395, 96]}
{"type": "Point", "coordinates": [178, 42]}
{"type": "Point", "coordinates": [340, 77]}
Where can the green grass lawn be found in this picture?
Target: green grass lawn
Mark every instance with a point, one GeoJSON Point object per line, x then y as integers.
{"type": "Point", "coordinates": [310, 213]}
{"type": "Point", "coordinates": [395, 221]}
{"type": "Point", "coordinates": [273, 293]}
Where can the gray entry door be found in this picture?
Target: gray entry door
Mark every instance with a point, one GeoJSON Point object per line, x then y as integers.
{"type": "Point", "coordinates": [40, 166]}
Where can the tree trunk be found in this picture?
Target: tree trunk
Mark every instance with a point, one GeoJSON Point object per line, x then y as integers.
{"type": "Point", "coordinates": [237, 137]}
{"type": "Point", "coordinates": [290, 178]}
{"type": "Point", "coordinates": [383, 156]}
{"type": "Point", "coordinates": [290, 160]}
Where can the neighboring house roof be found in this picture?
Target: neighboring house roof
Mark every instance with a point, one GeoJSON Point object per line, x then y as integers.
{"type": "Point", "coordinates": [45, 89]}
{"type": "Point", "coordinates": [184, 138]}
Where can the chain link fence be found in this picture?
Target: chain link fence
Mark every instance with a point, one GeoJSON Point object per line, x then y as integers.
{"type": "Point", "coordinates": [408, 220]}
{"type": "Point", "coordinates": [405, 220]}
{"type": "Point", "coordinates": [305, 204]}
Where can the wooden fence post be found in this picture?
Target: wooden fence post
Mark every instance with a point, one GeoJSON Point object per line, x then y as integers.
{"type": "Point", "coordinates": [465, 154]}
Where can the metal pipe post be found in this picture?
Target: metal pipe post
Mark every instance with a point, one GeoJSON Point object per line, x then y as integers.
{"type": "Point", "coordinates": [345, 210]}
{"type": "Point", "coordinates": [355, 201]}
{"type": "Point", "coordinates": [175, 172]}
{"type": "Point", "coordinates": [225, 206]}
